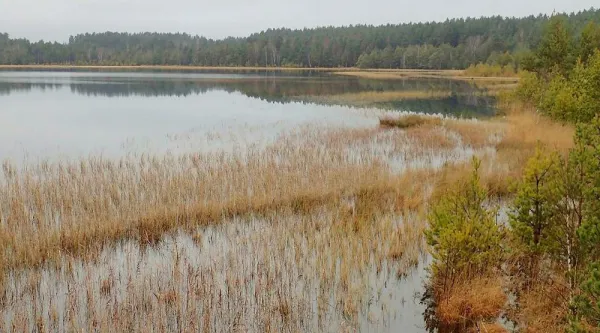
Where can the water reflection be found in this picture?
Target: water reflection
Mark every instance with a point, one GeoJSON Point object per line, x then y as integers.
{"type": "Point", "coordinates": [46, 114]}
{"type": "Point", "coordinates": [466, 100]}
{"type": "Point", "coordinates": [459, 105]}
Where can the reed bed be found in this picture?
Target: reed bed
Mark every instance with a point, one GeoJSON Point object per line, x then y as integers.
{"type": "Point", "coordinates": [58, 208]}
{"type": "Point", "coordinates": [52, 209]}
{"type": "Point", "coordinates": [299, 235]}
{"type": "Point", "coordinates": [291, 273]}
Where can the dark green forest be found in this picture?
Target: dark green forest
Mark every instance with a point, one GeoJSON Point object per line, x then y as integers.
{"type": "Point", "coordinates": [453, 44]}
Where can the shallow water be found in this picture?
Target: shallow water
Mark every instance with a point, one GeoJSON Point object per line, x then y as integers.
{"type": "Point", "coordinates": [63, 115]}
{"type": "Point", "coordinates": [74, 114]}
{"type": "Point", "coordinates": [205, 271]}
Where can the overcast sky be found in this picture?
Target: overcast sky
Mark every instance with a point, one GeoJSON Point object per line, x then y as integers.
{"type": "Point", "coordinates": [58, 19]}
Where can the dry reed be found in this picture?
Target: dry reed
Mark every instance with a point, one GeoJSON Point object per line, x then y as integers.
{"type": "Point", "coordinates": [409, 121]}
{"type": "Point", "coordinates": [475, 301]}
{"type": "Point", "coordinates": [291, 236]}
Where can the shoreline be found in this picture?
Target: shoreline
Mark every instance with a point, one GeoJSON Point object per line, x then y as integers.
{"type": "Point", "coordinates": [173, 68]}
{"type": "Point", "coordinates": [374, 73]}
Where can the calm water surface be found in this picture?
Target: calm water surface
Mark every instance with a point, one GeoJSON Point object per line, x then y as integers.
{"type": "Point", "coordinates": [72, 114]}
{"type": "Point", "coordinates": [58, 115]}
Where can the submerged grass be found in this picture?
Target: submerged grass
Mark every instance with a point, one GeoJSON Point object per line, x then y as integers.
{"type": "Point", "coordinates": [315, 272]}
{"type": "Point", "coordinates": [300, 235]}
{"type": "Point", "coordinates": [335, 218]}
{"type": "Point", "coordinates": [55, 209]}
{"type": "Point", "coordinates": [71, 208]}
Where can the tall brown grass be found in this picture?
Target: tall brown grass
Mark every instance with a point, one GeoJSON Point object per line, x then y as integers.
{"type": "Point", "coordinates": [60, 208]}
{"type": "Point", "coordinates": [545, 307]}
{"type": "Point", "coordinates": [398, 74]}
{"type": "Point", "coordinates": [527, 128]}
{"type": "Point", "coordinates": [317, 272]}
{"type": "Point", "coordinates": [471, 303]}
{"type": "Point", "coordinates": [291, 236]}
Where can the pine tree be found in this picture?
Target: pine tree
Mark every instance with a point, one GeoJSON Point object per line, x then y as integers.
{"type": "Point", "coordinates": [463, 234]}
{"type": "Point", "coordinates": [589, 41]}
{"type": "Point", "coordinates": [535, 207]}
{"type": "Point", "coordinates": [554, 51]}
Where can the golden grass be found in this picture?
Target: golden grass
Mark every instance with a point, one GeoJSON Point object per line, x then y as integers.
{"type": "Point", "coordinates": [326, 194]}
{"type": "Point", "coordinates": [314, 214]}
{"type": "Point", "coordinates": [476, 133]}
{"type": "Point", "coordinates": [544, 308]}
{"type": "Point", "coordinates": [259, 273]}
{"type": "Point", "coordinates": [489, 328]}
{"type": "Point", "coordinates": [515, 137]}
{"type": "Point", "coordinates": [70, 208]}
{"type": "Point", "coordinates": [527, 128]}
{"type": "Point", "coordinates": [52, 209]}
{"type": "Point", "coordinates": [472, 302]}
{"type": "Point", "coordinates": [398, 74]}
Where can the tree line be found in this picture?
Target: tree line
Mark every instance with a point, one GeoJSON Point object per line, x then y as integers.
{"type": "Point", "coordinates": [452, 44]}
{"type": "Point", "coordinates": [546, 259]}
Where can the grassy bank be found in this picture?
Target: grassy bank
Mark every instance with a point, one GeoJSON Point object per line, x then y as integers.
{"type": "Point", "coordinates": [167, 68]}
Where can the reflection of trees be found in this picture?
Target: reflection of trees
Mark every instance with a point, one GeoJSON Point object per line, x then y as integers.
{"type": "Point", "coordinates": [465, 105]}
{"type": "Point", "coordinates": [466, 98]}
{"type": "Point", "coordinates": [8, 87]}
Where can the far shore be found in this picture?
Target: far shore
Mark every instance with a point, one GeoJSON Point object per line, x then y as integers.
{"type": "Point", "coordinates": [380, 74]}
{"type": "Point", "coordinates": [175, 68]}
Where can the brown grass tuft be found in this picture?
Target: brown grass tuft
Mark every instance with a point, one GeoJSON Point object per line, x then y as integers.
{"type": "Point", "coordinates": [474, 301]}
{"type": "Point", "coordinates": [544, 308]}
{"type": "Point", "coordinates": [106, 287]}
{"type": "Point", "coordinates": [409, 121]}
{"type": "Point", "coordinates": [526, 128]}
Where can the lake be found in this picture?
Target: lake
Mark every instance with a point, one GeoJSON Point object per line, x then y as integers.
{"type": "Point", "coordinates": [276, 191]}
{"type": "Point", "coordinates": [50, 114]}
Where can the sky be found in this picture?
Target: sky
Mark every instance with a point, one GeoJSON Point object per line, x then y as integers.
{"type": "Point", "coordinates": [56, 20]}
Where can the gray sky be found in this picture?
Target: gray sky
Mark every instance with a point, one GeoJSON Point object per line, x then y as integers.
{"type": "Point", "coordinates": [57, 19]}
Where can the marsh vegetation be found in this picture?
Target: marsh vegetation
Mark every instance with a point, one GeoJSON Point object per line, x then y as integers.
{"type": "Point", "coordinates": [324, 222]}
{"type": "Point", "coordinates": [536, 270]}
{"type": "Point", "coordinates": [316, 227]}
